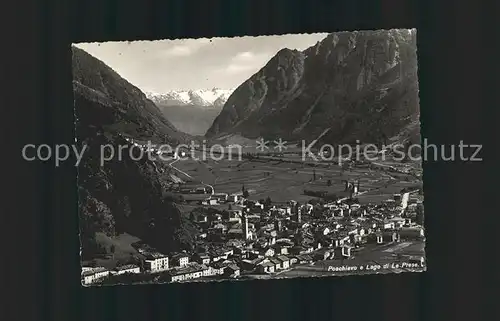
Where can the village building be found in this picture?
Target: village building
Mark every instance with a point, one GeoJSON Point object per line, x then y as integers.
{"type": "Point", "coordinates": [188, 272]}
{"type": "Point", "coordinates": [399, 222]}
{"type": "Point", "coordinates": [155, 262]}
{"type": "Point", "coordinates": [93, 275]}
{"type": "Point", "coordinates": [280, 249]}
{"type": "Point", "coordinates": [266, 267]}
{"type": "Point", "coordinates": [219, 267]}
{"type": "Point", "coordinates": [87, 268]}
{"type": "Point", "coordinates": [417, 259]}
{"type": "Point", "coordinates": [210, 201]}
{"type": "Point", "coordinates": [411, 233]}
{"type": "Point", "coordinates": [232, 271]}
{"type": "Point", "coordinates": [284, 261]}
{"type": "Point", "coordinates": [376, 238]}
{"type": "Point", "coordinates": [276, 262]}
{"type": "Point", "coordinates": [232, 215]}
{"type": "Point", "coordinates": [235, 198]}
{"type": "Point", "coordinates": [124, 269]}
{"type": "Point", "coordinates": [343, 251]}
{"type": "Point", "coordinates": [202, 258]}
{"type": "Point", "coordinates": [301, 259]}
{"type": "Point", "coordinates": [267, 251]}
{"type": "Point", "coordinates": [180, 259]}
{"type": "Point", "coordinates": [390, 236]}
{"type": "Point", "coordinates": [324, 254]}
{"type": "Point", "coordinates": [220, 197]}
{"type": "Point", "coordinates": [388, 225]}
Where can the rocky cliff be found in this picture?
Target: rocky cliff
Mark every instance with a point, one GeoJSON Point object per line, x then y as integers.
{"type": "Point", "coordinates": [361, 85]}
{"type": "Point", "coordinates": [122, 195]}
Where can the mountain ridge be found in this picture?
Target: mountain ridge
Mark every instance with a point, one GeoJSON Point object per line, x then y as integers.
{"type": "Point", "coordinates": [199, 97]}
{"type": "Point", "coordinates": [191, 111]}
{"type": "Point", "coordinates": [126, 193]}
{"type": "Point", "coordinates": [362, 85]}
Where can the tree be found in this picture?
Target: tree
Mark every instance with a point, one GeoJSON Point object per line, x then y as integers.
{"type": "Point", "coordinates": [329, 182]}
{"type": "Point", "coordinates": [229, 207]}
{"type": "Point", "coordinates": [112, 250]}
{"type": "Point", "coordinates": [314, 174]}
{"type": "Point", "coordinates": [268, 201]}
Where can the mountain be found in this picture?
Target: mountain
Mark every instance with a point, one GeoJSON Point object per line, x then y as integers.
{"type": "Point", "coordinates": [122, 195]}
{"type": "Point", "coordinates": [361, 85]}
{"type": "Point", "coordinates": [201, 98]}
{"type": "Point", "coordinates": [193, 111]}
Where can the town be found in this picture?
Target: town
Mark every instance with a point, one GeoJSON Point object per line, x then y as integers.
{"type": "Point", "coordinates": [241, 238]}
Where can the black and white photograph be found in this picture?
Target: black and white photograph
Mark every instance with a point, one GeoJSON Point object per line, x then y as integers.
{"type": "Point", "coordinates": [245, 158]}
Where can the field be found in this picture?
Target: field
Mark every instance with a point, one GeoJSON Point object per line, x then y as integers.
{"type": "Point", "coordinates": [283, 181]}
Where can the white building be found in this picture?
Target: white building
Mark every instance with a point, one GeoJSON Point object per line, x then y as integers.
{"type": "Point", "coordinates": [221, 197]}
{"type": "Point", "coordinates": [286, 210]}
{"type": "Point", "coordinates": [410, 233]}
{"type": "Point", "coordinates": [93, 275]}
{"type": "Point", "coordinates": [155, 262]}
{"type": "Point", "coordinates": [87, 268]}
{"type": "Point", "coordinates": [131, 268]}
{"type": "Point", "coordinates": [181, 259]}
{"type": "Point", "coordinates": [235, 198]}
{"type": "Point", "coordinates": [399, 222]}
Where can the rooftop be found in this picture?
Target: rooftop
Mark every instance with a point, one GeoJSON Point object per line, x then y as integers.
{"type": "Point", "coordinates": [94, 271]}
{"type": "Point", "coordinates": [196, 197]}
{"type": "Point", "coordinates": [153, 255]}
{"type": "Point", "coordinates": [282, 258]}
{"type": "Point", "coordinates": [192, 268]}
{"type": "Point", "coordinates": [126, 267]}
{"type": "Point", "coordinates": [274, 260]}
{"type": "Point", "coordinates": [192, 184]}
{"type": "Point", "coordinates": [179, 255]}
{"type": "Point", "coordinates": [303, 257]}
{"type": "Point", "coordinates": [233, 267]}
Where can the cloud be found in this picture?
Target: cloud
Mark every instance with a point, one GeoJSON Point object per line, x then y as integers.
{"type": "Point", "coordinates": [179, 51]}
{"type": "Point", "coordinates": [184, 48]}
{"type": "Point", "coordinates": [244, 56]}
{"type": "Point", "coordinates": [247, 61]}
{"type": "Point", "coordinates": [165, 65]}
{"type": "Point", "coordinates": [237, 68]}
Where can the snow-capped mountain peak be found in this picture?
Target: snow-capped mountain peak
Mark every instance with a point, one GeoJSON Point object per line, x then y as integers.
{"type": "Point", "coordinates": [200, 97]}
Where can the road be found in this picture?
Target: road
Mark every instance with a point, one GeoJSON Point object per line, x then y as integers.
{"type": "Point", "coordinates": [182, 172]}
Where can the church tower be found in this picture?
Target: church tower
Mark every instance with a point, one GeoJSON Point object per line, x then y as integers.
{"type": "Point", "coordinates": [244, 226]}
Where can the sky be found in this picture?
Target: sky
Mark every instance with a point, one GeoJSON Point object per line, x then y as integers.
{"type": "Point", "coordinates": [189, 64]}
